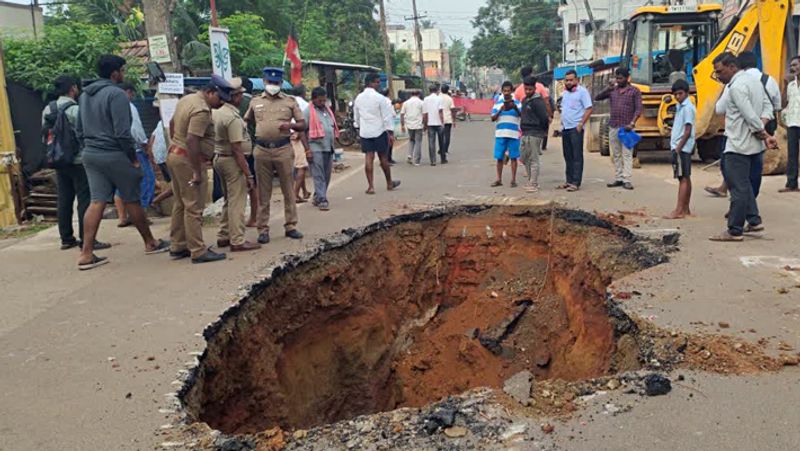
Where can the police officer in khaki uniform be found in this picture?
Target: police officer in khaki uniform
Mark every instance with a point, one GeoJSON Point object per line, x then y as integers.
{"type": "Point", "coordinates": [272, 113]}
{"type": "Point", "coordinates": [191, 148]}
{"type": "Point", "coordinates": [231, 144]}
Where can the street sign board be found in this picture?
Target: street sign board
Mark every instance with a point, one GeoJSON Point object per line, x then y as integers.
{"type": "Point", "coordinates": [220, 52]}
{"type": "Point", "coordinates": [159, 48]}
{"type": "Point", "coordinates": [172, 85]}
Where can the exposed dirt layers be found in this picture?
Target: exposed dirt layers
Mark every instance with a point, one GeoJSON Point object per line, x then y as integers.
{"type": "Point", "coordinates": [418, 307]}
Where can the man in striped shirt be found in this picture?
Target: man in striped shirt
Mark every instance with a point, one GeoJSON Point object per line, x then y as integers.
{"type": "Point", "coordinates": [506, 113]}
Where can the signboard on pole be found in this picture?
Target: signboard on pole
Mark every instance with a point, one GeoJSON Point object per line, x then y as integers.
{"type": "Point", "coordinates": [220, 52]}
{"type": "Point", "coordinates": [159, 48]}
{"type": "Point", "coordinates": [172, 85]}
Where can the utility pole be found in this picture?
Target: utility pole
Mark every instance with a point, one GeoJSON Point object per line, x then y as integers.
{"type": "Point", "coordinates": [158, 21]}
{"type": "Point", "coordinates": [590, 15]}
{"type": "Point", "coordinates": [418, 36]}
{"type": "Point", "coordinates": [387, 51]}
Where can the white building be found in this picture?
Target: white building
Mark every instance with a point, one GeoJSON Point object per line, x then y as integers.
{"type": "Point", "coordinates": [579, 41]}
{"type": "Point", "coordinates": [20, 20]}
{"type": "Point", "coordinates": [434, 49]}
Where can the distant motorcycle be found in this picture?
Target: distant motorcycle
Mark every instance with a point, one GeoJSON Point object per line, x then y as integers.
{"type": "Point", "coordinates": [347, 130]}
{"type": "Point", "coordinates": [462, 115]}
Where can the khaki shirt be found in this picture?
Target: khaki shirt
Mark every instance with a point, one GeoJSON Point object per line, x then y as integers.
{"type": "Point", "coordinates": [229, 128]}
{"type": "Point", "coordinates": [269, 112]}
{"type": "Point", "coordinates": [193, 116]}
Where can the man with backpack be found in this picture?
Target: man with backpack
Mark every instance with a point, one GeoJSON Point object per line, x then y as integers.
{"type": "Point", "coordinates": [64, 155]}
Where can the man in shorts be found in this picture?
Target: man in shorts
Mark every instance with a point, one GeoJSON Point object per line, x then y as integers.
{"type": "Point", "coordinates": [506, 113]}
{"type": "Point", "coordinates": [373, 118]}
{"type": "Point", "coordinates": [682, 145]}
{"type": "Point", "coordinates": [109, 157]}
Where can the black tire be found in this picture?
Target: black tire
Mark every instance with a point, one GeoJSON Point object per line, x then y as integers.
{"type": "Point", "coordinates": [709, 149]}
{"type": "Point", "coordinates": [346, 138]}
{"type": "Point", "coordinates": [605, 147]}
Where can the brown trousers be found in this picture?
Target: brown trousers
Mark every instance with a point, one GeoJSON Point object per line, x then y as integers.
{"type": "Point", "coordinates": [186, 229]}
{"type": "Point", "coordinates": [234, 187]}
{"type": "Point", "coordinates": [279, 160]}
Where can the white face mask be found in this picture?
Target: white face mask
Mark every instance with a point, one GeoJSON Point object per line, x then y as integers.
{"type": "Point", "coordinates": [272, 89]}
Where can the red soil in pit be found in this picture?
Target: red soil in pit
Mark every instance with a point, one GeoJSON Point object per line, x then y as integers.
{"type": "Point", "coordinates": [349, 332]}
{"type": "Point", "coordinates": [565, 334]}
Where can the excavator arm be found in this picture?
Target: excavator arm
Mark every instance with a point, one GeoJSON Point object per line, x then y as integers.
{"type": "Point", "coordinates": [767, 21]}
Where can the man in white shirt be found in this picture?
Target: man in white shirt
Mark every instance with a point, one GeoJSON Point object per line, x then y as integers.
{"type": "Point", "coordinates": [791, 118]}
{"type": "Point", "coordinates": [373, 117]}
{"type": "Point", "coordinates": [744, 147]}
{"type": "Point", "coordinates": [385, 93]}
{"type": "Point", "coordinates": [448, 113]}
{"type": "Point", "coordinates": [771, 105]}
{"type": "Point", "coordinates": [411, 119]}
{"type": "Point", "coordinates": [432, 121]}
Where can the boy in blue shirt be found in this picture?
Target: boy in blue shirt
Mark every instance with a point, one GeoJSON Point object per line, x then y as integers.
{"type": "Point", "coordinates": [682, 143]}
{"type": "Point", "coordinates": [506, 112]}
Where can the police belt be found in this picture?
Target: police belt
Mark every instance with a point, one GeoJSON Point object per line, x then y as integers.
{"type": "Point", "coordinates": [273, 144]}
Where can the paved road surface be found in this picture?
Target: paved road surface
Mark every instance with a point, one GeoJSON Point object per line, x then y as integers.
{"type": "Point", "coordinates": [87, 358]}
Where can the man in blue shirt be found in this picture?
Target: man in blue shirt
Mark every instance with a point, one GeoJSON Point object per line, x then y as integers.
{"type": "Point", "coordinates": [576, 107]}
{"type": "Point", "coordinates": [682, 145]}
{"type": "Point", "coordinates": [506, 112]}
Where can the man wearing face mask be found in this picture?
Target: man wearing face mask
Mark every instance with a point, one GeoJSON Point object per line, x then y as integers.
{"type": "Point", "coordinates": [192, 147]}
{"type": "Point", "coordinates": [272, 112]}
{"type": "Point", "coordinates": [576, 107]}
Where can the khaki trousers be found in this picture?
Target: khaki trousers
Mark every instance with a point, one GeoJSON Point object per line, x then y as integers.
{"type": "Point", "coordinates": [622, 156]}
{"type": "Point", "coordinates": [234, 187]}
{"type": "Point", "coordinates": [268, 161]}
{"type": "Point", "coordinates": [186, 228]}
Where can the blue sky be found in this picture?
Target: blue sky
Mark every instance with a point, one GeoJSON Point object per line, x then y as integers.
{"type": "Point", "coordinates": [452, 16]}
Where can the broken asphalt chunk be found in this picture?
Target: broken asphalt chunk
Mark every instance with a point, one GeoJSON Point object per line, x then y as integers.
{"type": "Point", "coordinates": [656, 384]}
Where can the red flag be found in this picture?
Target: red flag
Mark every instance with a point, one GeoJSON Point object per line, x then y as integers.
{"type": "Point", "coordinates": [293, 55]}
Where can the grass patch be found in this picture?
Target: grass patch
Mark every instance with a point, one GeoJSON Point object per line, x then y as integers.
{"type": "Point", "coordinates": [22, 231]}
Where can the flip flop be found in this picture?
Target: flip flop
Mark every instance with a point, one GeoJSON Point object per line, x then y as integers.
{"type": "Point", "coordinates": [162, 246]}
{"type": "Point", "coordinates": [370, 191]}
{"type": "Point", "coordinates": [571, 188]}
{"type": "Point", "coordinates": [563, 186]}
{"type": "Point", "coordinates": [300, 200]}
{"type": "Point", "coordinates": [714, 192]}
{"type": "Point", "coordinates": [496, 184]}
{"type": "Point", "coordinates": [94, 263]}
{"type": "Point", "coordinates": [124, 224]}
{"type": "Point", "coordinates": [395, 184]}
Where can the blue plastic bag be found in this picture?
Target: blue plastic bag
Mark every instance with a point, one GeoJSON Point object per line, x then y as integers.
{"type": "Point", "coordinates": [629, 139]}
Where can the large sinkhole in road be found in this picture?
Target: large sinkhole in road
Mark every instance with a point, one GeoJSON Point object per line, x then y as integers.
{"type": "Point", "coordinates": [418, 307]}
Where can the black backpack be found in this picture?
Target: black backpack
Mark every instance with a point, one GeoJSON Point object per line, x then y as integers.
{"type": "Point", "coordinates": [59, 136]}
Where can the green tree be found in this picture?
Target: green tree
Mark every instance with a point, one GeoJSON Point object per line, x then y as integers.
{"type": "Point", "coordinates": [515, 33]}
{"type": "Point", "coordinates": [336, 30]}
{"type": "Point", "coordinates": [252, 46]}
{"type": "Point", "coordinates": [458, 53]}
{"type": "Point", "coordinates": [125, 15]}
{"type": "Point", "coordinates": [65, 49]}
{"type": "Point", "coordinates": [403, 64]}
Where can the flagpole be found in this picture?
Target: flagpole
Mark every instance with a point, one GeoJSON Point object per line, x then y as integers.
{"type": "Point", "coordinates": [214, 22]}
